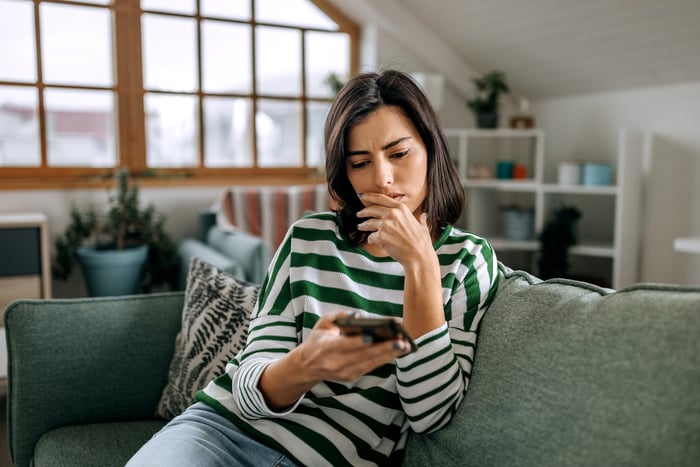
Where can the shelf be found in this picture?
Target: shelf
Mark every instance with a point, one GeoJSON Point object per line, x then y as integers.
{"type": "Point", "coordinates": [493, 133]}
{"type": "Point", "coordinates": [599, 250]}
{"type": "Point", "coordinates": [580, 189]}
{"type": "Point", "coordinates": [591, 249]}
{"type": "Point", "coordinates": [503, 244]}
{"type": "Point", "coordinates": [501, 185]}
{"type": "Point", "coordinates": [687, 244]}
{"type": "Point", "coordinates": [609, 232]}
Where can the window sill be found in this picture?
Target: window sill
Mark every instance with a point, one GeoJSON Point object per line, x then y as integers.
{"type": "Point", "coordinates": [166, 180]}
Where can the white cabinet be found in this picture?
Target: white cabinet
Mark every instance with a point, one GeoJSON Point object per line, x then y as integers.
{"type": "Point", "coordinates": [25, 269]}
{"type": "Point", "coordinates": [608, 230]}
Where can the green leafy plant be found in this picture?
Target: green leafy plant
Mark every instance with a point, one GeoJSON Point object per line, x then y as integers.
{"type": "Point", "coordinates": [558, 235]}
{"type": "Point", "coordinates": [488, 89]}
{"type": "Point", "coordinates": [334, 83]}
{"type": "Point", "coordinates": [124, 225]}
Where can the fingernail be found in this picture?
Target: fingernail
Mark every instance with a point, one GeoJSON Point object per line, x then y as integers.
{"type": "Point", "coordinates": [367, 338]}
{"type": "Point", "coordinates": [398, 345]}
{"type": "Point", "coordinates": [360, 195]}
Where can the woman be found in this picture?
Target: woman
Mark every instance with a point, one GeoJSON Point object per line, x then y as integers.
{"type": "Point", "coordinates": [302, 392]}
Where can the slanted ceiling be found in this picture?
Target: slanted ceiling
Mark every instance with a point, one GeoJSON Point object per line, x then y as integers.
{"type": "Point", "coordinates": [562, 47]}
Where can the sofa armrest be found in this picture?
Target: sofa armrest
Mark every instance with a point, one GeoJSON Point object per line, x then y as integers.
{"type": "Point", "coordinates": [75, 361]}
{"type": "Point", "coordinates": [189, 248]}
{"type": "Point", "coordinates": [250, 251]}
{"type": "Point", "coordinates": [205, 221]}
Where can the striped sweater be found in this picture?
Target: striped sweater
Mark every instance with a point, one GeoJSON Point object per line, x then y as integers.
{"type": "Point", "coordinates": [365, 422]}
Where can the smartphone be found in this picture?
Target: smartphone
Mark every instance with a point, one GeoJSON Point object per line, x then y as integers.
{"type": "Point", "coordinates": [380, 329]}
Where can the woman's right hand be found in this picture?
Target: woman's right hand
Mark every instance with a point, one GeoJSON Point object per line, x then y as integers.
{"type": "Point", "coordinates": [326, 354]}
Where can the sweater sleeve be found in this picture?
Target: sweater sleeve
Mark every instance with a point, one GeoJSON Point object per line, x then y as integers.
{"type": "Point", "coordinates": [433, 380]}
{"type": "Point", "coordinates": [272, 334]}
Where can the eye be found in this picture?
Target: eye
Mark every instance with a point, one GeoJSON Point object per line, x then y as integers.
{"type": "Point", "coordinates": [401, 154]}
{"type": "Point", "coordinates": [358, 164]}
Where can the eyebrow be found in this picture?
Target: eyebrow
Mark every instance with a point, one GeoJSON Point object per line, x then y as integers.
{"type": "Point", "coordinates": [384, 148]}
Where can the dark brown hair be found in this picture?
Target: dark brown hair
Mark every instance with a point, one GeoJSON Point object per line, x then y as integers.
{"type": "Point", "coordinates": [364, 94]}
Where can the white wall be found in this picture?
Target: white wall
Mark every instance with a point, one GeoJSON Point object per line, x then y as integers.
{"type": "Point", "coordinates": [391, 54]}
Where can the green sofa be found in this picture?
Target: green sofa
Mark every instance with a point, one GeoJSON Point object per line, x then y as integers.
{"type": "Point", "coordinates": [565, 373]}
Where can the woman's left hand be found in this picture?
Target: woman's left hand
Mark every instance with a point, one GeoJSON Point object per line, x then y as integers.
{"type": "Point", "coordinates": [395, 228]}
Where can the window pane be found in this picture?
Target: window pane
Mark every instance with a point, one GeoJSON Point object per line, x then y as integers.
{"type": "Point", "coordinates": [171, 131]}
{"type": "Point", "coordinates": [18, 62]}
{"type": "Point", "coordinates": [278, 61]}
{"type": "Point", "coordinates": [80, 128]}
{"type": "Point", "coordinates": [293, 12]}
{"type": "Point", "coordinates": [231, 9]}
{"type": "Point", "coordinates": [226, 57]}
{"type": "Point", "coordinates": [325, 53]}
{"type": "Point", "coordinates": [169, 53]}
{"type": "Point", "coordinates": [76, 44]}
{"type": "Point", "coordinates": [279, 133]}
{"type": "Point", "coordinates": [171, 6]}
{"type": "Point", "coordinates": [228, 132]}
{"type": "Point", "coordinates": [19, 127]}
{"type": "Point", "coordinates": [316, 114]}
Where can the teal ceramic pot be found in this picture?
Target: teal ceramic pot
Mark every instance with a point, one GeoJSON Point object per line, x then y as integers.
{"type": "Point", "coordinates": [112, 272]}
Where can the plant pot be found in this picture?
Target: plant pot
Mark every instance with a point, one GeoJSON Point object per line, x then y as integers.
{"type": "Point", "coordinates": [112, 272]}
{"type": "Point", "coordinates": [487, 119]}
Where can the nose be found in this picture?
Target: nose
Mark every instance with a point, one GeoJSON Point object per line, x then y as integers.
{"type": "Point", "coordinates": [383, 175]}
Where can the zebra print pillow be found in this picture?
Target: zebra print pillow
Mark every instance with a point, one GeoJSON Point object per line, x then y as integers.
{"type": "Point", "coordinates": [215, 321]}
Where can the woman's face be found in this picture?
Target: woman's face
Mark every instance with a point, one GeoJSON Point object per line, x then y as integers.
{"type": "Point", "coordinates": [387, 155]}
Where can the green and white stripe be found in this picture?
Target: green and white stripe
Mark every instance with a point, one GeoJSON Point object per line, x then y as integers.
{"type": "Point", "coordinates": [365, 422]}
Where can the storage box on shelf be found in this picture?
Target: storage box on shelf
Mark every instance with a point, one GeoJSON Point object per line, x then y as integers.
{"type": "Point", "coordinates": [608, 231]}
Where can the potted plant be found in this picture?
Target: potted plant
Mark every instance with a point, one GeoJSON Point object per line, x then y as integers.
{"type": "Point", "coordinates": [124, 251]}
{"type": "Point", "coordinates": [558, 235]}
{"type": "Point", "coordinates": [484, 103]}
{"type": "Point", "coordinates": [334, 83]}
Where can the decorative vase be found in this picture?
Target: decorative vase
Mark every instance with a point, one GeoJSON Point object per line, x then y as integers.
{"type": "Point", "coordinates": [112, 272]}
{"type": "Point", "coordinates": [487, 119]}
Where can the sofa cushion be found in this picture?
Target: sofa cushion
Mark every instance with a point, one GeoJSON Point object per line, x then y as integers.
{"type": "Point", "coordinates": [566, 373]}
{"type": "Point", "coordinates": [215, 321]}
{"type": "Point", "coordinates": [103, 444]}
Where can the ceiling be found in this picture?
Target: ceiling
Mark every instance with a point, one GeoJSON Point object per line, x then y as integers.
{"type": "Point", "coordinates": [560, 47]}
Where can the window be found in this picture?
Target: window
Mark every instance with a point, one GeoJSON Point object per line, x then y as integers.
{"type": "Point", "coordinates": [204, 87]}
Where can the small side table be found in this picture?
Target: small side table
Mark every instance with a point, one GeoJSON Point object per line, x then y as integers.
{"type": "Point", "coordinates": [25, 267]}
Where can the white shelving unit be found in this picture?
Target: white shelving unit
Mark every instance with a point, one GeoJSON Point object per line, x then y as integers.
{"type": "Point", "coordinates": [609, 226]}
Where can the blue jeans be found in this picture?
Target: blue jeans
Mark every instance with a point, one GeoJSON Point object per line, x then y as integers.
{"type": "Point", "coordinates": [200, 436]}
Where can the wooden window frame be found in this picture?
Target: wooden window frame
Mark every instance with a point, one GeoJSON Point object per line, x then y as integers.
{"type": "Point", "coordinates": [130, 127]}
